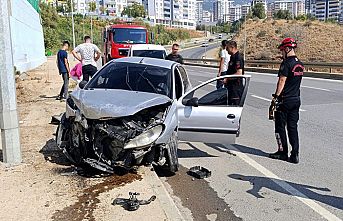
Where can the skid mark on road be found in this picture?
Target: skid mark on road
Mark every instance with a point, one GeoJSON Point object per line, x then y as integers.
{"type": "Point", "coordinates": [284, 185]}
{"type": "Point", "coordinates": [269, 100]}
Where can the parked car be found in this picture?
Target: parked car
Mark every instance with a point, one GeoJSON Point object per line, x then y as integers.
{"type": "Point", "coordinates": [148, 50]}
{"type": "Point", "coordinates": [220, 36]}
{"type": "Point", "coordinates": [204, 44]}
{"type": "Point", "coordinates": [135, 110]}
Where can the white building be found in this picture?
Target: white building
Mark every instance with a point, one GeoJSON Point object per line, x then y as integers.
{"type": "Point", "coordinates": [235, 13]}
{"type": "Point", "coordinates": [199, 10]}
{"type": "Point", "coordinates": [207, 16]}
{"type": "Point", "coordinates": [328, 9]}
{"type": "Point", "coordinates": [112, 7]}
{"type": "Point", "coordinates": [295, 7]}
{"type": "Point", "coordinates": [172, 13]}
{"type": "Point", "coordinates": [80, 7]}
{"type": "Point", "coordinates": [221, 10]}
{"type": "Point", "coordinates": [245, 9]}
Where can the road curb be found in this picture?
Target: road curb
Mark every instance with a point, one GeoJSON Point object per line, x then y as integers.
{"type": "Point", "coordinates": [167, 203]}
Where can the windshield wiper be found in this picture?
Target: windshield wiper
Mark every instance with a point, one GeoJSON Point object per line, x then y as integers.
{"type": "Point", "coordinates": [128, 78]}
{"type": "Point", "coordinates": [147, 80]}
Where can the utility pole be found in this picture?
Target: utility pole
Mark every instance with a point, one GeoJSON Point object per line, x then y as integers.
{"type": "Point", "coordinates": [245, 36]}
{"type": "Point", "coordinates": [72, 21]}
{"type": "Point", "coordinates": [8, 104]}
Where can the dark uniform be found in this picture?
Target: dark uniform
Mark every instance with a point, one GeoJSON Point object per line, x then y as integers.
{"type": "Point", "coordinates": [175, 57]}
{"type": "Point", "coordinates": [287, 111]}
{"type": "Point", "coordinates": [235, 86]}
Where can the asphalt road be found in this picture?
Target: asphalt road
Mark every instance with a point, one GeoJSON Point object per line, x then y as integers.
{"type": "Point", "coordinates": [256, 187]}
{"type": "Point", "coordinates": [198, 52]}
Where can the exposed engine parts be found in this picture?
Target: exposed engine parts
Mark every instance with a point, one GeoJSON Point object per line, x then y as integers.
{"type": "Point", "coordinates": [132, 203]}
{"type": "Point", "coordinates": [115, 142]}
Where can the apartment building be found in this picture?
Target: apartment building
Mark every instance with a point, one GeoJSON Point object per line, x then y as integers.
{"type": "Point", "coordinates": [328, 9]}
{"type": "Point", "coordinates": [199, 10]}
{"type": "Point", "coordinates": [295, 7]}
{"type": "Point", "coordinates": [172, 13]}
{"type": "Point", "coordinates": [207, 16]}
{"type": "Point", "coordinates": [221, 10]}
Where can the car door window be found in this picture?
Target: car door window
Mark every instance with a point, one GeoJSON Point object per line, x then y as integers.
{"type": "Point", "coordinates": [230, 94]}
{"type": "Point", "coordinates": [185, 80]}
{"type": "Point", "coordinates": [178, 84]}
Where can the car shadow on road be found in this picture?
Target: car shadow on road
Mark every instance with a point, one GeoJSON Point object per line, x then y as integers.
{"type": "Point", "coordinates": [241, 148]}
{"type": "Point", "coordinates": [53, 154]}
{"type": "Point", "coordinates": [272, 184]}
{"type": "Point", "coordinates": [192, 153]}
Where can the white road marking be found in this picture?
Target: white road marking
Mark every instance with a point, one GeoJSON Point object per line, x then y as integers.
{"type": "Point", "coordinates": [269, 100]}
{"type": "Point", "coordinates": [316, 88]}
{"type": "Point", "coordinates": [290, 189]}
{"type": "Point", "coordinates": [311, 78]}
{"type": "Point", "coordinates": [270, 74]}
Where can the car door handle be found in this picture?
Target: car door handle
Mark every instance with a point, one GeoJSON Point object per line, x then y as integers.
{"type": "Point", "coordinates": [231, 116]}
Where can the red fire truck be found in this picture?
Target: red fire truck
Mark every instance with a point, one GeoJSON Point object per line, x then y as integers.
{"type": "Point", "coordinates": [118, 39]}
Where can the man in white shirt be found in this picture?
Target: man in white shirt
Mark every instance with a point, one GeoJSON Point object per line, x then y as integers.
{"type": "Point", "coordinates": [224, 61]}
{"type": "Point", "coordinates": [90, 54]}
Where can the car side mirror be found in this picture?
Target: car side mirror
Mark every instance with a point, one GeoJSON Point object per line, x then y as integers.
{"type": "Point", "coordinates": [193, 102]}
{"type": "Point", "coordinates": [82, 84]}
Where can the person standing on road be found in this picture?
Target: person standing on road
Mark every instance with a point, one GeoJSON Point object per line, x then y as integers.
{"type": "Point", "coordinates": [224, 61]}
{"type": "Point", "coordinates": [90, 54]}
{"type": "Point", "coordinates": [63, 68]}
{"type": "Point", "coordinates": [287, 102]}
{"type": "Point", "coordinates": [175, 56]}
{"type": "Point", "coordinates": [235, 67]}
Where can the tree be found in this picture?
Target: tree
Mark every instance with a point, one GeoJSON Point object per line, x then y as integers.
{"type": "Point", "coordinates": [92, 6]}
{"type": "Point", "coordinates": [136, 10]}
{"type": "Point", "coordinates": [283, 14]}
{"type": "Point", "coordinates": [49, 22]}
{"type": "Point", "coordinates": [226, 27]}
{"type": "Point", "coordinates": [258, 11]}
{"type": "Point", "coordinates": [103, 10]}
{"type": "Point", "coordinates": [68, 5]}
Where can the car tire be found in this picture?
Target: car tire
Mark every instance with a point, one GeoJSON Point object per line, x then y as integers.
{"type": "Point", "coordinates": [172, 158]}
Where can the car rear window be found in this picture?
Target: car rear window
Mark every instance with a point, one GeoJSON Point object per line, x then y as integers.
{"type": "Point", "coordinates": [149, 53]}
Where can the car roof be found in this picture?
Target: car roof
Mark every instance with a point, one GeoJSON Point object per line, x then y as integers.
{"type": "Point", "coordinates": [147, 47]}
{"type": "Point", "coordinates": [147, 61]}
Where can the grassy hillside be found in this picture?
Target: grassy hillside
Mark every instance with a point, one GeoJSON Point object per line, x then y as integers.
{"type": "Point", "coordinates": [317, 41]}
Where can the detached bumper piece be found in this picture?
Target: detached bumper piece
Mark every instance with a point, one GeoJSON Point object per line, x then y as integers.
{"type": "Point", "coordinates": [132, 203]}
{"type": "Point", "coordinates": [199, 172]}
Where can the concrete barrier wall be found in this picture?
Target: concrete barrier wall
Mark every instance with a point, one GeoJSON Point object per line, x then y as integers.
{"type": "Point", "coordinates": [27, 36]}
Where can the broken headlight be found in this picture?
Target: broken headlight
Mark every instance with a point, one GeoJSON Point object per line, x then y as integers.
{"type": "Point", "coordinates": [146, 138]}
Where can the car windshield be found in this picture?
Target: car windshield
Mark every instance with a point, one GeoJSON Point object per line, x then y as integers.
{"type": "Point", "coordinates": [149, 53]}
{"type": "Point", "coordinates": [134, 77]}
{"type": "Point", "coordinates": [129, 35]}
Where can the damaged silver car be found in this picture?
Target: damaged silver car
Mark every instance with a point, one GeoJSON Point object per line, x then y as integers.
{"type": "Point", "coordinates": [134, 111]}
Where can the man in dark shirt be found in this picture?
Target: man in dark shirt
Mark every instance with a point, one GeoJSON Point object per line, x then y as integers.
{"type": "Point", "coordinates": [175, 56]}
{"type": "Point", "coordinates": [63, 68]}
{"type": "Point", "coordinates": [287, 102]}
{"type": "Point", "coordinates": [235, 67]}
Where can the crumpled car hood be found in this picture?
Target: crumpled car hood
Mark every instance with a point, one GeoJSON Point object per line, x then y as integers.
{"type": "Point", "coordinates": [113, 103]}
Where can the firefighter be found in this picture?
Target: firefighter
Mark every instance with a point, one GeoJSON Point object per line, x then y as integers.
{"type": "Point", "coordinates": [286, 101]}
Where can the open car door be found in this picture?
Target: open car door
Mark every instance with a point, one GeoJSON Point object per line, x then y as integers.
{"type": "Point", "coordinates": [211, 115]}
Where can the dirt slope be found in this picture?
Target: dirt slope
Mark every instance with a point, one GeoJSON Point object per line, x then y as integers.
{"type": "Point", "coordinates": [318, 41]}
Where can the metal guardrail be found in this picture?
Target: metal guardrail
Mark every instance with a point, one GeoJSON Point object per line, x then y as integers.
{"type": "Point", "coordinates": [309, 66]}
